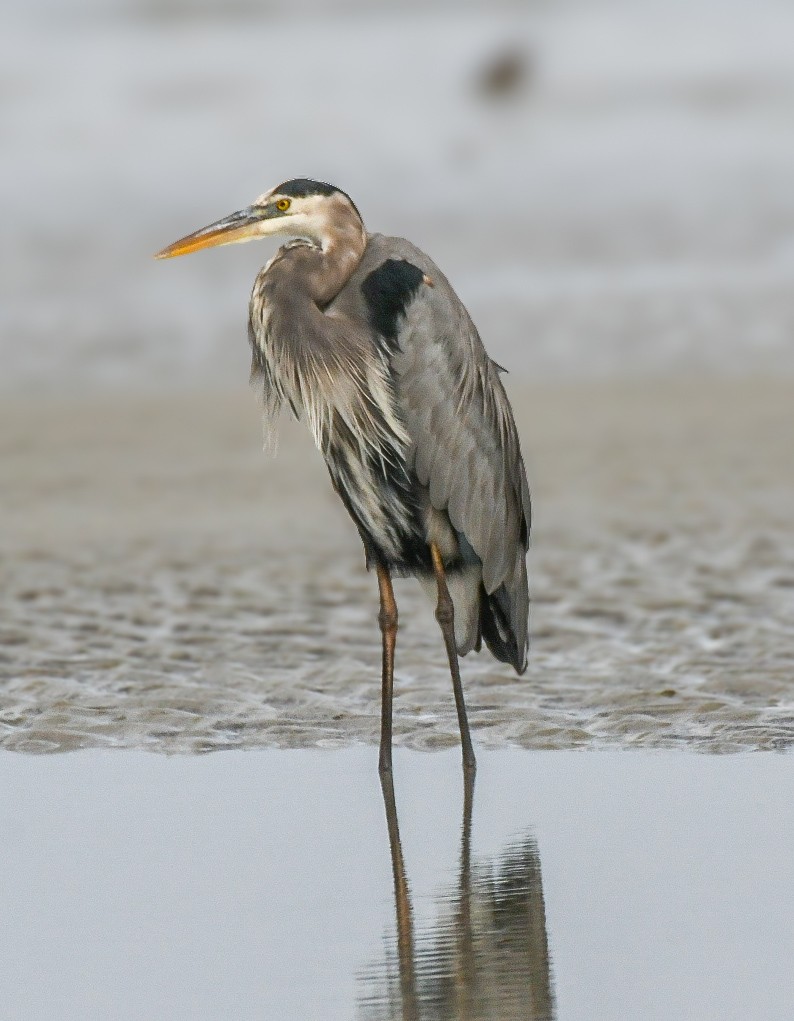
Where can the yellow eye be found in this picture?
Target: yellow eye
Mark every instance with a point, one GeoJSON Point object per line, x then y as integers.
{"type": "Point", "coordinates": [283, 205]}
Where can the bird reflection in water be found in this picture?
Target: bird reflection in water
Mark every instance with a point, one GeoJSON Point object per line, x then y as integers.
{"type": "Point", "coordinates": [487, 954]}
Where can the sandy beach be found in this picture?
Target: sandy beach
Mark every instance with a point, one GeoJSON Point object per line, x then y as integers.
{"type": "Point", "coordinates": [168, 585]}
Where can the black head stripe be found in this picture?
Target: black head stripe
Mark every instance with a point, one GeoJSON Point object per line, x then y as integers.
{"type": "Point", "coordinates": [302, 187]}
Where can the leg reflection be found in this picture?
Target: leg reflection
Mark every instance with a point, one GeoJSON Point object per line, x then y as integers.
{"type": "Point", "coordinates": [402, 906]}
{"type": "Point", "coordinates": [466, 962]}
{"type": "Point", "coordinates": [485, 956]}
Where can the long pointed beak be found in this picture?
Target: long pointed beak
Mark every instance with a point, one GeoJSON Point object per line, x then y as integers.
{"type": "Point", "coordinates": [239, 226]}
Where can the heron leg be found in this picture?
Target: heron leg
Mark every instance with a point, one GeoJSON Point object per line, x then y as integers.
{"type": "Point", "coordinates": [387, 618]}
{"type": "Point", "coordinates": [445, 615]}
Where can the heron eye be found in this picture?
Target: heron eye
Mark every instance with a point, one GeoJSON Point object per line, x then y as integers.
{"type": "Point", "coordinates": [283, 205]}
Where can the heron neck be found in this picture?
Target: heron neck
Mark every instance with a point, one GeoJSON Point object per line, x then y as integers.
{"type": "Point", "coordinates": [303, 278]}
{"type": "Point", "coordinates": [336, 260]}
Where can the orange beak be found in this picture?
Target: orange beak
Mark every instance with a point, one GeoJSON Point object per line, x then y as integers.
{"type": "Point", "coordinates": [233, 229]}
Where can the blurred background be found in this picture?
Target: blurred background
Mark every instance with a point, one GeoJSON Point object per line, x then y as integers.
{"type": "Point", "coordinates": [607, 183]}
{"type": "Point", "coordinates": [608, 186]}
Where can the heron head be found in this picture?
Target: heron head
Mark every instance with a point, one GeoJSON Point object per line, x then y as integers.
{"type": "Point", "coordinates": [300, 208]}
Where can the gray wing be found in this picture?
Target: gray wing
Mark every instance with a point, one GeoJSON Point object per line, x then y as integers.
{"type": "Point", "coordinates": [465, 445]}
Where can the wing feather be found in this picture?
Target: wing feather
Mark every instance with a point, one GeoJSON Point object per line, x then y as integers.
{"type": "Point", "coordinates": [464, 443]}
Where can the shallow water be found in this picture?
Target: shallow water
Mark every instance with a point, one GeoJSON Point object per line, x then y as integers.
{"type": "Point", "coordinates": [273, 885]}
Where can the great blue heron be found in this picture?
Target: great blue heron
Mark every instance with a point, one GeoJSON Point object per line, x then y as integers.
{"type": "Point", "coordinates": [363, 337]}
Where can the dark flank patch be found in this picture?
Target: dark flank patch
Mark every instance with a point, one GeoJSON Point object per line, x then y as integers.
{"type": "Point", "coordinates": [387, 484]}
{"type": "Point", "coordinates": [302, 187]}
{"type": "Point", "coordinates": [388, 290]}
{"type": "Point", "coordinates": [397, 484]}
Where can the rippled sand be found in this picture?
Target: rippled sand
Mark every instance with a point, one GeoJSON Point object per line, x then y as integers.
{"type": "Point", "coordinates": [167, 585]}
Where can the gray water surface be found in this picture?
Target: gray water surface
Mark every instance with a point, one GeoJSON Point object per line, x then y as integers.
{"type": "Point", "coordinates": [627, 209]}
{"type": "Point", "coordinates": [265, 885]}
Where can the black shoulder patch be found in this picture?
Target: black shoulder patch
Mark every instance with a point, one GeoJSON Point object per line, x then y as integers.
{"type": "Point", "coordinates": [301, 187]}
{"type": "Point", "coordinates": [387, 291]}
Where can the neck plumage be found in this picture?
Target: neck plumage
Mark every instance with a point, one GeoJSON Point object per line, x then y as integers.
{"type": "Point", "coordinates": [321, 270]}
{"type": "Point", "coordinates": [289, 331]}
{"type": "Point", "coordinates": [323, 365]}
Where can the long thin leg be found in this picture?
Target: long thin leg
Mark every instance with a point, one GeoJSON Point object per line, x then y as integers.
{"type": "Point", "coordinates": [445, 615]}
{"type": "Point", "coordinates": [387, 618]}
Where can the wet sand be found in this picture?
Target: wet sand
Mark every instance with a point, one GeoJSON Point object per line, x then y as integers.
{"type": "Point", "coordinates": [167, 585]}
{"type": "Point", "coordinates": [267, 885]}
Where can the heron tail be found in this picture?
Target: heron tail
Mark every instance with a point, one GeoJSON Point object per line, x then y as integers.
{"type": "Point", "coordinates": [504, 622]}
